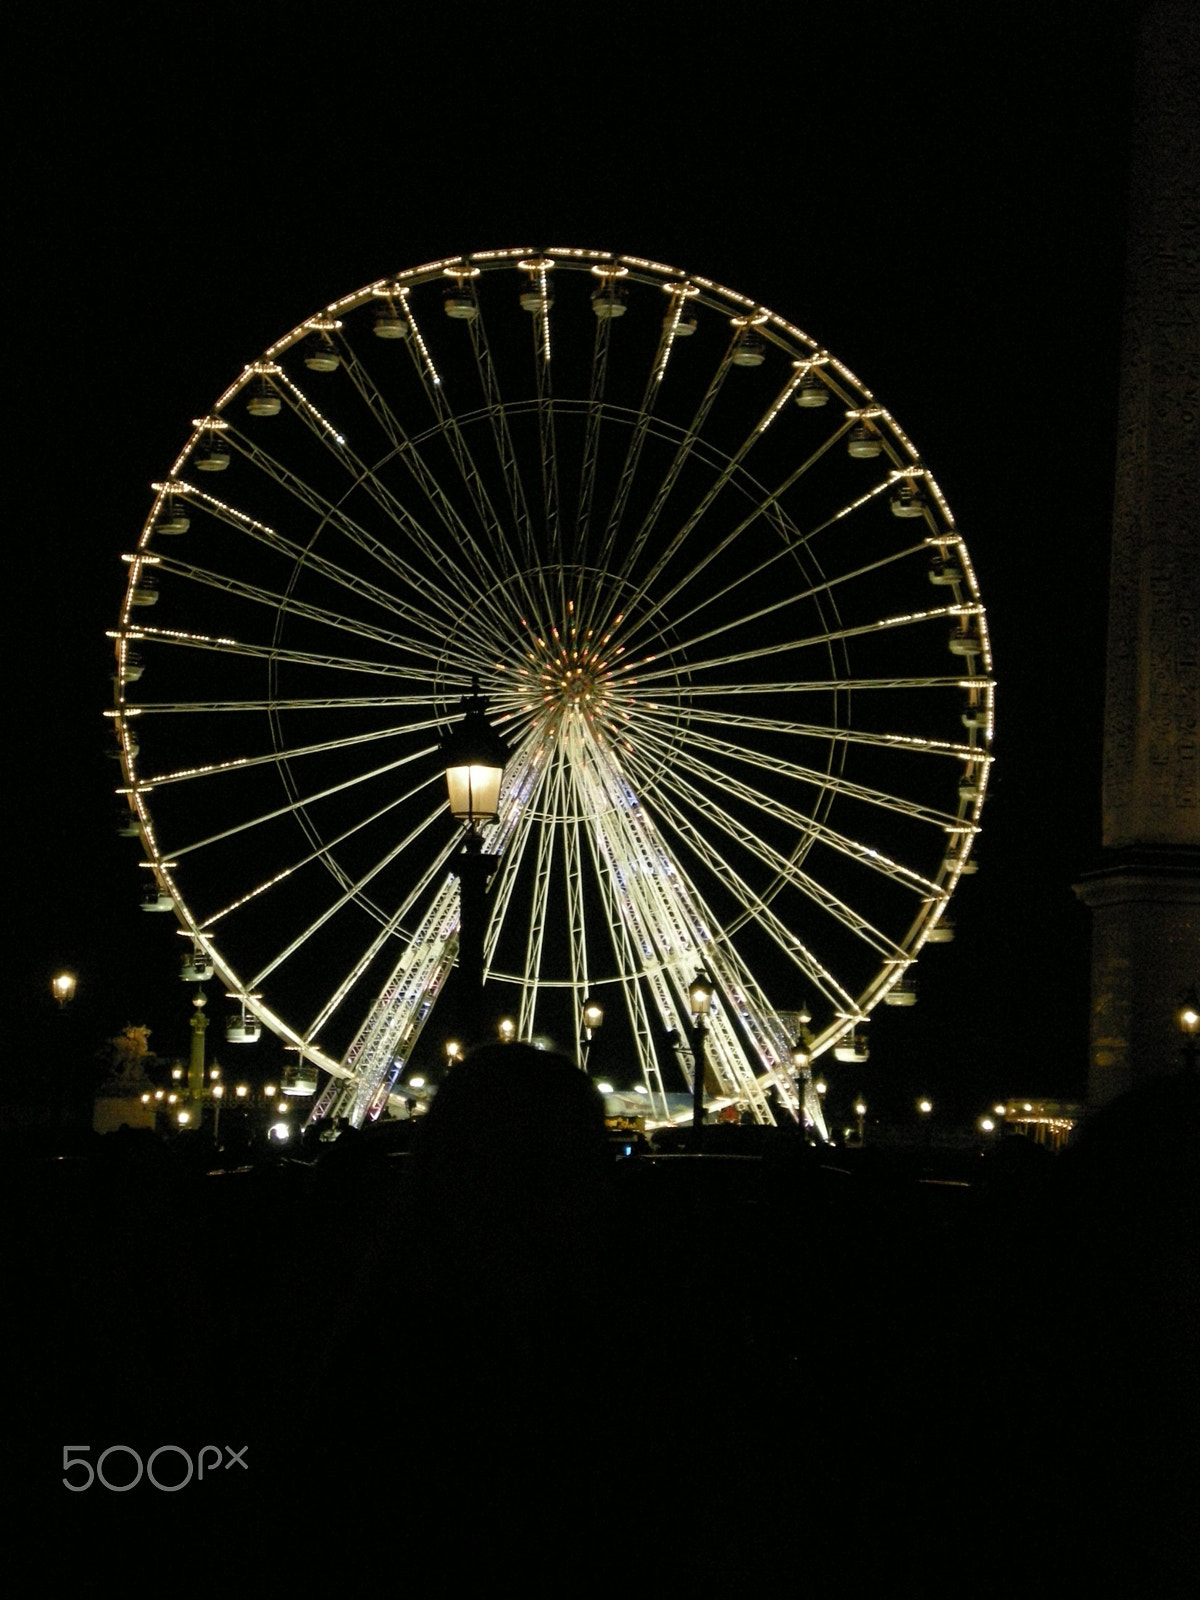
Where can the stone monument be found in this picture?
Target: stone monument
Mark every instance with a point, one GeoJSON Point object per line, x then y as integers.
{"type": "Point", "coordinates": [1145, 895]}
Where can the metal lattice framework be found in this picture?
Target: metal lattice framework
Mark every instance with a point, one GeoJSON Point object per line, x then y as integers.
{"type": "Point", "coordinates": [717, 604]}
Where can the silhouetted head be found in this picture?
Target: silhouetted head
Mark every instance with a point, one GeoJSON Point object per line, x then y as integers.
{"type": "Point", "coordinates": [515, 1130]}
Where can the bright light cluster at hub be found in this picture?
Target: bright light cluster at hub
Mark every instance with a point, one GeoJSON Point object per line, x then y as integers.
{"type": "Point", "coordinates": [718, 608]}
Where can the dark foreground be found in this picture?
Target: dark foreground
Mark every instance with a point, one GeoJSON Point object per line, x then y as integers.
{"type": "Point", "coordinates": [843, 1368]}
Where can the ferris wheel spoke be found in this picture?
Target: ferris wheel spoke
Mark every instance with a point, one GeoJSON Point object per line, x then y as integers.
{"type": "Point", "coordinates": [799, 954]}
{"type": "Point", "coordinates": [704, 505]}
{"type": "Point", "coordinates": [275, 757]}
{"type": "Point", "coordinates": [393, 508]}
{"type": "Point", "coordinates": [539, 902]}
{"type": "Point", "coordinates": [790, 540]}
{"type": "Point", "coordinates": [681, 920]}
{"type": "Point", "coordinates": [321, 853]}
{"type": "Point", "coordinates": [312, 703]}
{"type": "Point", "coordinates": [807, 825]}
{"type": "Point", "coordinates": [413, 580]}
{"type": "Point", "coordinates": [847, 735]}
{"type": "Point", "coordinates": [767, 503]}
{"type": "Point", "coordinates": [633, 456]}
{"type": "Point", "coordinates": [625, 953]}
{"type": "Point", "coordinates": [686, 692]}
{"type": "Point", "coordinates": [271, 652]}
{"type": "Point", "coordinates": [816, 778]}
{"type": "Point", "coordinates": [545, 405]}
{"type": "Point", "coordinates": [518, 503]}
{"type": "Point", "coordinates": [783, 869]}
{"type": "Point", "coordinates": [302, 608]}
{"type": "Point", "coordinates": [813, 592]}
{"type": "Point", "coordinates": [351, 893]}
{"type": "Point", "coordinates": [407, 450]}
{"type": "Point", "coordinates": [576, 922]}
{"type": "Point", "coordinates": [356, 469]}
{"type": "Point", "coordinates": [299, 803]}
{"type": "Point", "coordinates": [591, 437]}
{"type": "Point", "coordinates": [506, 453]}
{"type": "Point", "coordinates": [472, 480]}
{"type": "Point", "coordinates": [420, 618]}
{"type": "Point", "coordinates": [808, 641]}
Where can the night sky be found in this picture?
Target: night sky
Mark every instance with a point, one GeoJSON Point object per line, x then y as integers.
{"type": "Point", "coordinates": [935, 194]}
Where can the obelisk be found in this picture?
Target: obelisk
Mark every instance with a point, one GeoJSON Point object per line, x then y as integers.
{"type": "Point", "coordinates": [1145, 895]}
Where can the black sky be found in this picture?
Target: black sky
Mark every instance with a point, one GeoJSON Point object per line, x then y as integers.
{"type": "Point", "coordinates": [936, 194]}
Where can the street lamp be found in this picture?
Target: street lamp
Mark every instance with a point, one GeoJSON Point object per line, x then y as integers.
{"type": "Point", "coordinates": [592, 1013]}
{"type": "Point", "coordinates": [1188, 1018]}
{"type": "Point", "coordinates": [62, 987]}
{"type": "Point", "coordinates": [700, 993]}
{"type": "Point", "coordinates": [925, 1107]}
{"type": "Point", "coordinates": [473, 755]}
{"type": "Point", "coordinates": [860, 1111]}
{"type": "Point", "coordinates": [507, 1030]}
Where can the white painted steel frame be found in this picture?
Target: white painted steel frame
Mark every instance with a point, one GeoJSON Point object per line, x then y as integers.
{"type": "Point", "coordinates": [470, 524]}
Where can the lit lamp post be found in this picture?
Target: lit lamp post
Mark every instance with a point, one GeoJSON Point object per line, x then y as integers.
{"type": "Point", "coordinates": [592, 1013]}
{"type": "Point", "coordinates": [860, 1111]}
{"type": "Point", "coordinates": [802, 1057]}
{"type": "Point", "coordinates": [925, 1107]}
{"type": "Point", "coordinates": [473, 754]}
{"type": "Point", "coordinates": [700, 993]}
{"type": "Point", "coordinates": [62, 987]}
{"type": "Point", "coordinates": [1189, 1025]}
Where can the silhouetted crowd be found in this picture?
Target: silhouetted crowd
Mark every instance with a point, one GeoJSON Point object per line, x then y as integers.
{"type": "Point", "coordinates": [506, 1355]}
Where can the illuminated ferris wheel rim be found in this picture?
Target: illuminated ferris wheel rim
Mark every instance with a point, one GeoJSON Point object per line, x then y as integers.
{"type": "Point", "coordinates": [681, 291]}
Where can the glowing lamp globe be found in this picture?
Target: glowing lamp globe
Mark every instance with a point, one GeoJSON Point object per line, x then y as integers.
{"type": "Point", "coordinates": [62, 987]}
{"type": "Point", "coordinates": [474, 754]}
{"type": "Point", "coordinates": [700, 993]}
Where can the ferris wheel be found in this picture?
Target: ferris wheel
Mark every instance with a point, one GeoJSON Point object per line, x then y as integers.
{"type": "Point", "coordinates": [717, 606]}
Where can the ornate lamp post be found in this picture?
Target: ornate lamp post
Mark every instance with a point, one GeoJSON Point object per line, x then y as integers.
{"type": "Point", "coordinates": [473, 755]}
{"type": "Point", "coordinates": [700, 993]}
